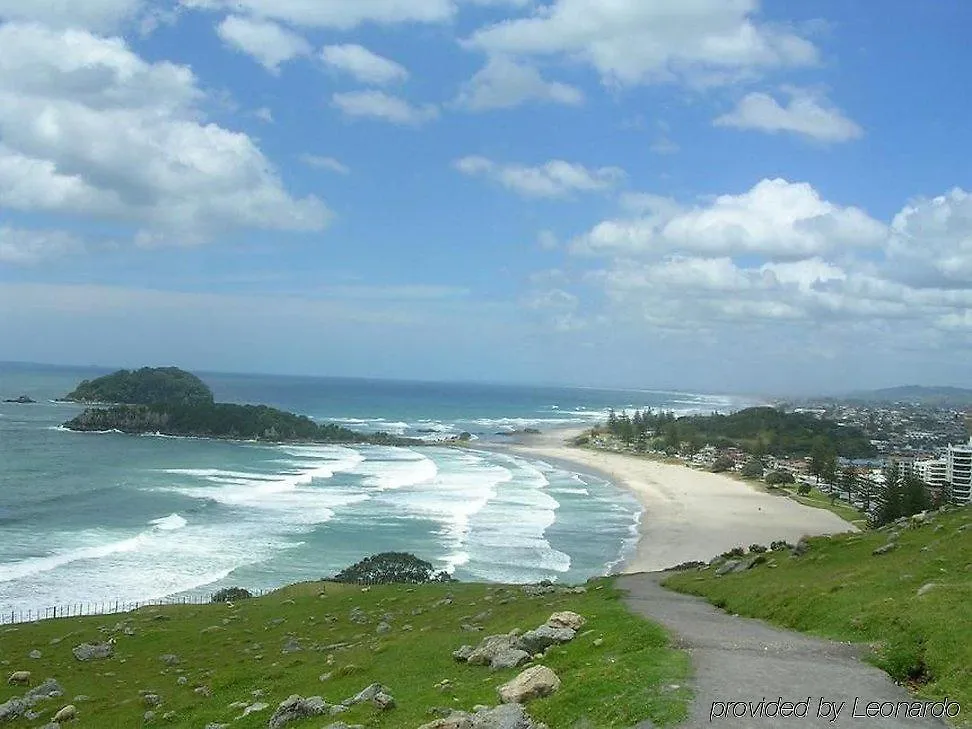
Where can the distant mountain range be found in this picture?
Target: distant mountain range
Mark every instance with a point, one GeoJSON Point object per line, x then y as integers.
{"type": "Point", "coordinates": [942, 396]}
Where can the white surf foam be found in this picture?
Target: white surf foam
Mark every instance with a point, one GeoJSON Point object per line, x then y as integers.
{"type": "Point", "coordinates": [170, 523]}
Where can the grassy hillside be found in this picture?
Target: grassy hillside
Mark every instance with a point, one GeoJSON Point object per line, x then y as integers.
{"type": "Point", "coordinates": [616, 672]}
{"type": "Point", "coordinates": [912, 604]}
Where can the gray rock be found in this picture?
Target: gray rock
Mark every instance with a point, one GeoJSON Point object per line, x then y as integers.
{"type": "Point", "coordinates": [254, 708]}
{"type": "Point", "coordinates": [490, 647]}
{"type": "Point", "coordinates": [509, 659]}
{"type": "Point", "coordinates": [148, 717]}
{"type": "Point", "coordinates": [295, 708]}
{"type": "Point", "coordinates": [462, 653]}
{"type": "Point", "coordinates": [13, 709]}
{"type": "Point", "coordinates": [505, 716]}
{"type": "Point", "coordinates": [366, 694]}
{"type": "Point", "coordinates": [291, 646]}
{"type": "Point", "coordinates": [885, 549]}
{"type": "Point", "coordinates": [170, 659]}
{"type": "Point", "coordinates": [539, 639]}
{"type": "Point", "coordinates": [728, 566]}
{"type": "Point", "coordinates": [926, 588]}
{"type": "Point", "coordinates": [566, 619]}
{"type": "Point", "coordinates": [383, 627]}
{"type": "Point", "coordinates": [49, 689]}
{"type": "Point", "coordinates": [383, 701]}
{"type": "Point", "coordinates": [93, 651]}
{"type": "Point", "coordinates": [35, 654]}
{"type": "Point", "coordinates": [152, 700]}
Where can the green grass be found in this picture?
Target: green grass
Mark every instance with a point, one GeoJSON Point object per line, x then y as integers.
{"type": "Point", "coordinates": [631, 674]}
{"type": "Point", "coordinates": [840, 590]}
{"type": "Point", "coordinates": [820, 500]}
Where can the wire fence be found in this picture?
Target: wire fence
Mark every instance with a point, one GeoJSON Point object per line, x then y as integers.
{"type": "Point", "coordinates": [105, 607]}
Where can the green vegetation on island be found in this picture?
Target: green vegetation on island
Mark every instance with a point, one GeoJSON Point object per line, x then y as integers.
{"type": "Point", "coordinates": [207, 665]}
{"type": "Point", "coordinates": [146, 386]}
{"type": "Point", "coordinates": [170, 401]}
{"type": "Point", "coordinates": [223, 420]}
{"type": "Point", "coordinates": [904, 590]}
{"type": "Point", "coordinates": [391, 568]}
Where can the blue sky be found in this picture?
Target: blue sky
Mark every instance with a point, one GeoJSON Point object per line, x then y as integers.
{"type": "Point", "coordinates": [704, 194]}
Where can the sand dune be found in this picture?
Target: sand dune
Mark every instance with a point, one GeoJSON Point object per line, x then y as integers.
{"type": "Point", "coordinates": [690, 514]}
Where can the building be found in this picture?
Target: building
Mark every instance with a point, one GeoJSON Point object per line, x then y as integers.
{"type": "Point", "coordinates": [934, 473]}
{"type": "Point", "coordinates": [960, 472]}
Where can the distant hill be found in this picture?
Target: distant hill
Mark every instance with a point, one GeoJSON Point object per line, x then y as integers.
{"type": "Point", "coordinates": [146, 386]}
{"type": "Point", "coordinates": [917, 394]}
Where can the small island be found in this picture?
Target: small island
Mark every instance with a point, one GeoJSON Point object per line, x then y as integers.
{"type": "Point", "coordinates": [22, 400]}
{"type": "Point", "coordinates": [185, 407]}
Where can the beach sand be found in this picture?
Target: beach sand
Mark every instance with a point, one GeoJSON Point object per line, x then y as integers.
{"type": "Point", "coordinates": [688, 514]}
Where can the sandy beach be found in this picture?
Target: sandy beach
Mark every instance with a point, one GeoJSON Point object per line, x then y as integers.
{"type": "Point", "coordinates": [688, 514]}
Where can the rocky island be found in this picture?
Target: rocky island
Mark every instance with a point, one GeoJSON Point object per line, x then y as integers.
{"type": "Point", "coordinates": [22, 400]}
{"type": "Point", "coordinates": [171, 401]}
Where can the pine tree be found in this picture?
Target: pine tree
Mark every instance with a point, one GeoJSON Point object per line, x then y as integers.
{"type": "Point", "coordinates": [848, 482]}
{"type": "Point", "coordinates": [890, 496]}
{"type": "Point", "coordinates": [915, 495]}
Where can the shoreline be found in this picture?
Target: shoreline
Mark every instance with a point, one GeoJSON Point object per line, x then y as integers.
{"type": "Point", "coordinates": [687, 515]}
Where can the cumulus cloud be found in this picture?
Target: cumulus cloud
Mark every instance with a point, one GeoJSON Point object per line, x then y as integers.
{"type": "Point", "coordinates": [89, 128]}
{"type": "Point", "coordinates": [267, 42]}
{"type": "Point", "coordinates": [780, 256]}
{"type": "Point", "coordinates": [805, 114]}
{"type": "Point", "coordinates": [775, 217]}
{"type": "Point", "coordinates": [96, 15]}
{"type": "Point", "coordinates": [363, 65]}
{"type": "Point", "coordinates": [553, 179]}
{"type": "Point", "coordinates": [337, 14]}
{"type": "Point", "coordinates": [378, 105]}
{"type": "Point", "coordinates": [633, 41]}
{"type": "Point", "coordinates": [504, 83]}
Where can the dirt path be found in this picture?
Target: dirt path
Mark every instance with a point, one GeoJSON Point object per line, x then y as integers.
{"type": "Point", "coordinates": [744, 660]}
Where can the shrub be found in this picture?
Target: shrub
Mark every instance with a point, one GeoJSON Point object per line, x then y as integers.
{"type": "Point", "coordinates": [757, 548]}
{"type": "Point", "coordinates": [722, 464]}
{"type": "Point", "coordinates": [734, 552]}
{"type": "Point", "coordinates": [804, 489]}
{"type": "Point", "coordinates": [231, 594]}
{"type": "Point", "coordinates": [780, 545]}
{"type": "Point", "coordinates": [777, 478]}
{"type": "Point", "coordinates": [753, 469]}
{"type": "Point", "coordinates": [389, 567]}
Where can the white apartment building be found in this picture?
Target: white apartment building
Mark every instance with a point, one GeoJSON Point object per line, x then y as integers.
{"type": "Point", "coordinates": [959, 460]}
{"type": "Point", "coordinates": [934, 473]}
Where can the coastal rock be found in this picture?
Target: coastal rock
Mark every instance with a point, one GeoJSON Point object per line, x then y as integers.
{"type": "Point", "coordinates": [93, 651]}
{"type": "Point", "coordinates": [21, 400]}
{"type": "Point", "coordinates": [534, 683]}
{"type": "Point", "coordinates": [728, 566]}
{"type": "Point", "coordinates": [566, 619]}
{"type": "Point", "coordinates": [295, 708]}
{"type": "Point", "coordinates": [540, 638]}
{"type": "Point", "coordinates": [495, 651]}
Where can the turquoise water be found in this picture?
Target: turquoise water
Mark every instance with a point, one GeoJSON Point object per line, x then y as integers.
{"type": "Point", "coordinates": [105, 516]}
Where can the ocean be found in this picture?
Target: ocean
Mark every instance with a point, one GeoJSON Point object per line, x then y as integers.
{"type": "Point", "coordinates": [89, 517]}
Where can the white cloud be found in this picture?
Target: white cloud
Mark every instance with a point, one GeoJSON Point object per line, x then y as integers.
{"type": "Point", "coordinates": [379, 105]}
{"type": "Point", "coordinates": [20, 246]}
{"type": "Point", "coordinates": [97, 15]}
{"type": "Point", "coordinates": [325, 163]}
{"type": "Point", "coordinates": [931, 241]}
{"type": "Point", "coordinates": [805, 114]}
{"type": "Point", "coordinates": [268, 43]}
{"type": "Point", "coordinates": [634, 41]}
{"type": "Point", "coordinates": [504, 83]}
{"type": "Point", "coordinates": [338, 14]}
{"type": "Point", "coordinates": [553, 179]}
{"type": "Point", "coordinates": [775, 217]}
{"type": "Point", "coordinates": [264, 114]}
{"type": "Point", "coordinates": [363, 65]}
{"type": "Point", "coordinates": [89, 128]}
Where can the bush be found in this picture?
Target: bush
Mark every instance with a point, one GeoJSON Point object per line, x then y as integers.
{"type": "Point", "coordinates": [804, 489]}
{"type": "Point", "coordinates": [777, 478]}
{"type": "Point", "coordinates": [780, 545]}
{"type": "Point", "coordinates": [757, 548]}
{"type": "Point", "coordinates": [391, 567]}
{"type": "Point", "coordinates": [231, 594]}
{"type": "Point", "coordinates": [722, 464]}
{"type": "Point", "coordinates": [753, 469]}
{"type": "Point", "coordinates": [734, 552]}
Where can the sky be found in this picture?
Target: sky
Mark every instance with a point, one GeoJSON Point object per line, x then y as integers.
{"type": "Point", "coordinates": [715, 195]}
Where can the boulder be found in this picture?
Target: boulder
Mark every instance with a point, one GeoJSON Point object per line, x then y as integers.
{"type": "Point", "coordinates": [539, 639]}
{"type": "Point", "coordinates": [93, 651]}
{"type": "Point", "coordinates": [534, 683]}
{"type": "Point", "coordinates": [566, 619]}
{"type": "Point", "coordinates": [170, 659]}
{"type": "Point", "coordinates": [295, 708]}
{"type": "Point", "coordinates": [505, 716]}
{"type": "Point", "coordinates": [383, 701]}
{"type": "Point", "coordinates": [491, 647]}
{"type": "Point", "coordinates": [366, 694]}
{"type": "Point", "coordinates": [728, 566]}
{"type": "Point", "coordinates": [13, 709]}
{"type": "Point", "coordinates": [49, 689]}
{"type": "Point", "coordinates": [885, 549]}
{"type": "Point", "coordinates": [19, 677]}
